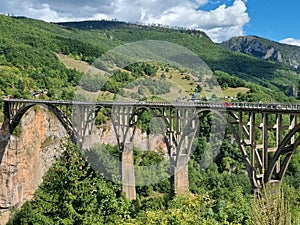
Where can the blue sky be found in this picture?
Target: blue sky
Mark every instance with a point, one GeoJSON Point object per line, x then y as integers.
{"type": "Point", "coordinates": [273, 19]}
{"type": "Point", "coordinates": [220, 19]}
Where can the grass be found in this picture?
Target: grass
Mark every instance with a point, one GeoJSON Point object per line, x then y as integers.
{"type": "Point", "coordinates": [271, 207]}
{"type": "Point", "coordinates": [234, 91]}
{"type": "Point", "coordinates": [187, 85]}
{"type": "Point", "coordinates": [183, 83]}
{"type": "Point", "coordinates": [71, 63]}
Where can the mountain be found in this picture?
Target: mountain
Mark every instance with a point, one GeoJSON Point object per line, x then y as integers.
{"type": "Point", "coordinates": [29, 62]}
{"type": "Point", "coordinates": [265, 49]}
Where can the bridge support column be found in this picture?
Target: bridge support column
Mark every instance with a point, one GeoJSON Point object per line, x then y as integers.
{"type": "Point", "coordinates": [180, 177]}
{"type": "Point", "coordinates": [183, 129]}
{"type": "Point", "coordinates": [84, 120]}
{"type": "Point", "coordinates": [123, 122]}
{"type": "Point", "coordinates": [128, 178]}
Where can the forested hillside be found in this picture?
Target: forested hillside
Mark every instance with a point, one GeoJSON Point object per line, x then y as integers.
{"type": "Point", "coordinates": [28, 50]}
{"type": "Point", "coordinates": [265, 73]}
{"type": "Point", "coordinates": [72, 193]}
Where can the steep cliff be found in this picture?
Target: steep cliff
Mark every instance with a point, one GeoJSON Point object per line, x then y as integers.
{"type": "Point", "coordinates": [265, 49]}
{"type": "Point", "coordinates": [27, 157]}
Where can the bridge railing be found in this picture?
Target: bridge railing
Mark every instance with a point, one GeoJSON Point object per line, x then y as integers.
{"type": "Point", "coordinates": [266, 106]}
{"type": "Point", "coordinates": [280, 107]}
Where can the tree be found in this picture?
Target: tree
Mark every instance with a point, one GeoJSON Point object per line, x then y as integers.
{"type": "Point", "coordinates": [198, 88]}
{"type": "Point", "coordinates": [73, 193]}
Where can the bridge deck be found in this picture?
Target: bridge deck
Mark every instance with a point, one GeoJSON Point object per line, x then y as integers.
{"type": "Point", "coordinates": [233, 106]}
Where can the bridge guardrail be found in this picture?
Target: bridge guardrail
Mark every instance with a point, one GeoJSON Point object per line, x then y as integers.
{"type": "Point", "coordinates": [281, 107]}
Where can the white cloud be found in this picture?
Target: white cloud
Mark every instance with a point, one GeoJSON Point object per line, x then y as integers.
{"type": "Point", "coordinates": [291, 41]}
{"type": "Point", "coordinates": [220, 24]}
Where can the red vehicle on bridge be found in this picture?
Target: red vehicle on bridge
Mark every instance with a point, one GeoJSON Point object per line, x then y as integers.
{"type": "Point", "coordinates": [228, 104]}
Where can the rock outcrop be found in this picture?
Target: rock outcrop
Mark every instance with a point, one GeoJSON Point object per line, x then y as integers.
{"type": "Point", "coordinates": [265, 49]}
{"type": "Point", "coordinates": [27, 157]}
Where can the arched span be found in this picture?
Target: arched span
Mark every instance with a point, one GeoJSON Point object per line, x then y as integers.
{"type": "Point", "coordinates": [133, 115]}
{"type": "Point", "coordinates": [84, 118]}
{"type": "Point", "coordinates": [56, 111]}
{"type": "Point", "coordinates": [286, 149]}
{"type": "Point", "coordinates": [201, 114]}
{"type": "Point", "coordinates": [109, 110]}
{"type": "Point", "coordinates": [223, 115]}
{"type": "Point", "coordinates": [168, 116]}
{"type": "Point", "coordinates": [137, 115]}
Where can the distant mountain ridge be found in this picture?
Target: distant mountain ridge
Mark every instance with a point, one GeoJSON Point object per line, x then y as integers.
{"type": "Point", "coordinates": [265, 49]}
{"type": "Point", "coordinates": [114, 24]}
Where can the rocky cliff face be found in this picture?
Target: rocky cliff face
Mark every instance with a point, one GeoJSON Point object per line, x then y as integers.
{"type": "Point", "coordinates": [253, 46]}
{"type": "Point", "coordinates": [140, 140]}
{"type": "Point", "coordinates": [265, 49]}
{"type": "Point", "coordinates": [27, 157]}
{"type": "Point", "coordinates": [30, 154]}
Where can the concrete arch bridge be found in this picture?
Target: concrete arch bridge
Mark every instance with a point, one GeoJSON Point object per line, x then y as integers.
{"type": "Point", "coordinates": [253, 126]}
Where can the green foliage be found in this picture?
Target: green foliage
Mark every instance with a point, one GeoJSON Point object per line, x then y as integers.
{"type": "Point", "coordinates": [73, 193]}
{"type": "Point", "coordinates": [142, 69]}
{"type": "Point", "coordinates": [226, 80]}
{"type": "Point", "coordinates": [154, 85]}
{"type": "Point", "coordinates": [189, 209]}
{"type": "Point", "coordinates": [260, 94]}
{"type": "Point", "coordinates": [150, 124]}
{"type": "Point", "coordinates": [270, 207]}
{"type": "Point", "coordinates": [151, 172]}
{"type": "Point", "coordinates": [198, 88]}
{"type": "Point", "coordinates": [31, 45]}
{"type": "Point", "coordinates": [92, 83]}
{"type": "Point", "coordinates": [27, 52]}
{"type": "Point", "coordinates": [105, 160]}
{"type": "Point", "coordinates": [101, 117]}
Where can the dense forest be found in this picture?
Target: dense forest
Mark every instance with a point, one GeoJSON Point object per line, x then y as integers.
{"type": "Point", "coordinates": [73, 193]}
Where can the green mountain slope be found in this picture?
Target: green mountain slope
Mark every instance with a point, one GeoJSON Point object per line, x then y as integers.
{"type": "Point", "coordinates": [28, 47]}
{"type": "Point", "coordinates": [267, 74]}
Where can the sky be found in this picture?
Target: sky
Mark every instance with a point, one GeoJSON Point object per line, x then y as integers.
{"type": "Point", "coordinates": [220, 19]}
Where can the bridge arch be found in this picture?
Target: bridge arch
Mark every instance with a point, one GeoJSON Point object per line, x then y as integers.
{"type": "Point", "coordinates": [59, 114]}
{"type": "Point", "coordinates": [201, 114]}
{"type": "Point", "coordinates": [156, 113]}
{"type": "Point", "coordinates": [224, 115]}
{"type": "Point", "coordinates": [286, 149]}
{"type": "Point", "coordinates": [167, 118]}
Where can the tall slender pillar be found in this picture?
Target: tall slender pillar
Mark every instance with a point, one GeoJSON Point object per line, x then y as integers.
{"type": "Point", "coordinates": [121, 118]}
{"type": "Point", "coordinates": [127, 167]}
{"type": "Point", "coordinates": [186, 129]}
{"type": "Point", "coordinates": [181, 177]}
